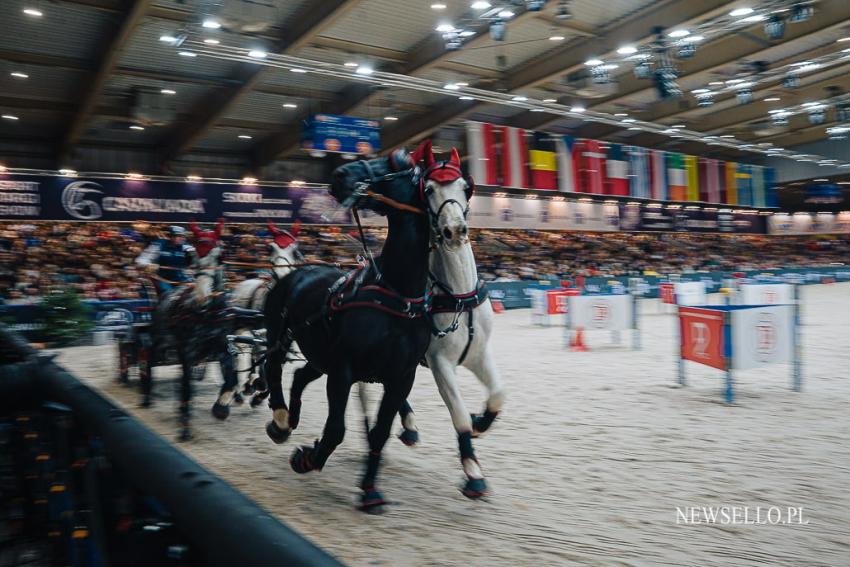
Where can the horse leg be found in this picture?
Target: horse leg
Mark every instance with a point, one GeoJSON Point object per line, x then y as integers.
{"type": "Point", "coordinates": [409, 433]}
{"type": "Point", "coordinates": [301, 378]}
{"type": "Point", "coordinates": [306, 458]}
{"type": "Point", "coordinates": [395, 393]}
{"type": "Point", "coordinates": [363, 396]}
{"type": "Point", "coordinates": [221, 407]}
{"type": "Point", "coordinates": [278, 428]}
{"type": "Point", "coordinates": [444, 375]}
{"type": "Point", "coordinates": [484, 368]}
{"type": "Point", "coordinates": [186, 360]}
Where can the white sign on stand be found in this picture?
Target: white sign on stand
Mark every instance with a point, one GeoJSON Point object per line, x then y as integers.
{"type": "Point", "coordinates": [601, 312]}
{"type": "Point", "coordinates": [765, 294]}
{"type": "Point", "coordinates": [691, 293]}
{"type": "Point", "coordinates": [762, 336]}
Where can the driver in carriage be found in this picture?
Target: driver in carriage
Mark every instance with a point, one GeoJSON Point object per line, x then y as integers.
{"type": "Point", "coordinates": [167, 259]}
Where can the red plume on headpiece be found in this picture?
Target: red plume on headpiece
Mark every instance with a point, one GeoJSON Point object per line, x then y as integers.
{"type": "Point", "coordinates": [283, 238]}
{"type": "Point", "coordinates": [424, 154]}
{"type": "Point", "coordinates": [206, 240]}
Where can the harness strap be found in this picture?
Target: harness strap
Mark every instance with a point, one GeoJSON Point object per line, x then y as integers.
{"type": "Point", "coordinates": [470, 337]}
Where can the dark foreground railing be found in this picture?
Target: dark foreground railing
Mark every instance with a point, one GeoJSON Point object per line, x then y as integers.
{"type": "Point", "coordinates": [213, 523]}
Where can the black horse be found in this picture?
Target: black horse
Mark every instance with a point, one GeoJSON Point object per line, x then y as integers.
{"type": "Point", "coordinates": [368, 325]}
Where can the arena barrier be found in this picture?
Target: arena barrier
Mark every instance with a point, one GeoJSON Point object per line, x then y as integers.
{"type": "Point", "coordinates": [77, 436]}
{"type": "Point", "coordinates": [548, 305]}
{"type": "Point", "coordinates": [741, 337]}
{"type": "Point", "coordinates": [613, 313]}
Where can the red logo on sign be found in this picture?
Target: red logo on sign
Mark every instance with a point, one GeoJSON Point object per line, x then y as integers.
{"type": "Point", "coordinates": [766, 337]}
{"type": "Point", "coordinates": [702, 336]}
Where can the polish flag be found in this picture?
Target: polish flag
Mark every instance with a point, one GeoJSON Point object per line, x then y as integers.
{"type": "Point", "coordinates": [514, 158]}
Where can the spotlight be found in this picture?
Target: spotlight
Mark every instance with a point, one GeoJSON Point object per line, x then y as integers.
{"type": "Point", "coordinates": [791, 81]}
{"type": "Point", "coordinates": [779, 118]}
{"type": "Point", "coordinates": [534, 5]}
{"type": "Point", "coordinates": [686, 50]}
{"type": "Point", "coordinates": [452, 41]}
{"type": "Point", "coordinates": [744, 96]}
{"type": "Point", "coordinates": [665, 83]}
{"type": "Point", "coordinates": [800, 12]}
{"type": "Point", "coordinates": [562, 12]}
{"type": "Point", "coordinates": [704, 100]}
{"type": "Point", "coordinates": [774, 28]}
{"type": "Point", "coordinates": [643, 70]}
{"type": "Point", "coordinates": [817, 115]}
{"type": "Point", "coordinates": [498, 30]}
{"type": "Point", "coordinates": [599, 75]}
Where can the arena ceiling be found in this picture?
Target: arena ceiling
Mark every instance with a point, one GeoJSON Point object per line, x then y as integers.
{"type": "Point", "coordinates": [88, 78]}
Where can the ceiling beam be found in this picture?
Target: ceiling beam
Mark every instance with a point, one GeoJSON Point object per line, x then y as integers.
{"type": "Point", "coordinates": [560, 60]}
{"type": "Point", "coordinates": [712, 57]}
{"type": "Point", "coordinates": [111, 49]}
{"type": "Point", "coordinates": [305, 26]}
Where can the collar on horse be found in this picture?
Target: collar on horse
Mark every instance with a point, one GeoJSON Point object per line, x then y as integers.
{"type": "Point", "coordinates": [350, 292]}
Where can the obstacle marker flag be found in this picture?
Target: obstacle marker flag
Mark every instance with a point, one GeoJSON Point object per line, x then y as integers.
{"type": "Point", "coordinates": [677, 177]}
{"type": "Point", "coordinates": [617, 171]}
{"type": "Point", "coordinates": [543, 161]}
{"type": "Point", "coordinates": [514, 158]}
{"type": "Point", "coordinates": [567, 164]}
{"type": "Point", "coordinates": [701, 336]}
{"type": "Point", "coordinates": [482, 153]}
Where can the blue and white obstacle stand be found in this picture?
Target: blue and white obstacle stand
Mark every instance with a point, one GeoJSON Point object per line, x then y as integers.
{"type": "Point", "coordinates": [613, 313]}
{"type": "Point", "coordinates": [742, 337]}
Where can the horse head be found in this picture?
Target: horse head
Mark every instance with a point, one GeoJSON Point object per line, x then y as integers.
{"type": "Point", "coordinates": [283, 249]}
{"type": "Point", "coordinates": [446, 192]}
{"type": "Point", "coordinates": [391, 177]}
{"type": "Point", "coordinates": [209, 277]}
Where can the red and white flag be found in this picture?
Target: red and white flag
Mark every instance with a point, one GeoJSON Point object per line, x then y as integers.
{"type": "Point", "coordinates": [593, 167]}
{"type": "Point", "coordinates": [514, 158]}
{"type": "Point", "coordinates": [481, 144]}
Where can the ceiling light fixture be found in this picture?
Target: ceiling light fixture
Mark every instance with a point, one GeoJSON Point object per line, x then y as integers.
{"type": "Point", "coordinates": [593, 62]}
{"type": "Point", "coordinates": [480, 5]}
{"type": "Point", "coordinates": [290, 105]}
{"type": "Point", "coordinates": [772, 99]}
{"type": "Point", "coordinates": [134, 175]}
{"type": "Point", "coordinates": [9, 117]}
{"type": "Point", "coordinates": [466, 98]}
{"type": "Point", "coordinates": [194, 178]}
{"type": "Point", "coordinates": [520, 98]}
{"type": "Point", "coordinates": [438, 6]}
{"type": "Point", "coordinates": [740, 12]}
{"type": "Point", "coordinates": [167, 38]}
{"type": "Point", "coordinates": [211, 24]}
{"type": "Point", "coordinates": [211, 41]}
{"type": "Point", "coordinates": [577, 108]}
{"type": "Point", "coordinates": [627, 50]}
{"type": "Point", "coordinates": [168, 91]}
{"type": "Point", "coordinates": [506, 14]}
{"type": "Point", "coordinates": [550, 100]}
{"type": "Point", "coordinates": [245, 137]}
{"type": "Point", "coordinates": [556, 38]}
{"type": "Point", "coordinates": [364, 70]}
{"type": "Point", "coordinates": [187, 54]}
{"type": "Point", "coordinates": [257, 54]}
{"type": "Point", "coordinates": [679, 33]}
{"type": "Point", "coordinates": [249, 181]}
{"type": "Point", "coordinates": [351, 64]}
{"type": "Point", "coordinates": [33, 12]}
{"type": "Point", "coordinates": [391, 118]}
{"type": "Point", "coordinates": [445, 28]}
{"type": "Point", "coordinates": [19, 75]}
{"type": "Point", "coordinates": [451, 87]}
{"type": "Point", "coordinates": [67, 172]}
{"type": "Point", "coordinates": [136, 127]}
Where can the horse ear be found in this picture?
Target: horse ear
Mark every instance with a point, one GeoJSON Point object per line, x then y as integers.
{"type": "Point", "coordinates": [296, 228]}
{"type": "Point", "coordinates": [272, 228]}
{"type": "Point", "coordinates": [455, 157]}
{"type": "Point", "coordinates": [423, 153]}
{"type": "Point", "coordinates": [219, 228]}
{"type": "Point", "coordinates": [193, 226]}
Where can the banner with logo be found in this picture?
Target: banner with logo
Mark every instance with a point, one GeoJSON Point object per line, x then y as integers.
{"type": "Point", "coordinates": [542, 214]}
{"type": "Point", "coordinates": [601, 312]}
{"type": "Point", "coordinates": [341, 134]}
{"type": "Point", "coordinates": [69, 198]}
{"type": "Point", "coordinates": [765, 294]}
{"type": "Point", "coordinates": [701, 336]}
{"type": "Point", "coordinates": [639, 217]}
{"type": "Point", "coordinates": [762, 336]}
{"type": "Point", "coordinates": [809, 223]}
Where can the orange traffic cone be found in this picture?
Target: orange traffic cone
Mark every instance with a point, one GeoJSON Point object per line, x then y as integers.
{"type": "Point", "coordinates": [497, 306]}
{"type": "Point", "coordinates": [577, 343]}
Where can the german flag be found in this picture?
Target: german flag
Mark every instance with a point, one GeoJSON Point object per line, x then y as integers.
{"type": "Point", "coordinates": [542, 158]}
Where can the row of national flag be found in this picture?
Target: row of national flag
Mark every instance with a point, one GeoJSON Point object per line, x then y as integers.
{"type": "Point", "coordinates": [513, 157]}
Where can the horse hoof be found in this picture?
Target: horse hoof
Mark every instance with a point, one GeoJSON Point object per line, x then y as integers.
{"type": "Point", "coordinates": [372, 502]}
{"type": "Point", "coordinates": [220, 411]}
{"type": "Point", "coordinates": [475, 488]}
{"type": "Point", "coordinates": [277, 434]}
{"type": "Point", "coordinates": [409, 437]}
{"type": "Point", "coordinates": [301, 460]}
{"type": "Point", "coordinates": [238, 400]}
{"type": "Point", "coordinates": [256, 400]}
{"type": "Point", "coordinates": [482, 422]}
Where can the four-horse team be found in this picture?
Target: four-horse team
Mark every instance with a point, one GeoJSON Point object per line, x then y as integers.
{"type": "Point", "coordinates": [419, 301]}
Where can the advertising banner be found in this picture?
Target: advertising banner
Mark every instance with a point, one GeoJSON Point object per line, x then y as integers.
{"type": "Point", "coordinates": [640, 217]}
{"type": "Point", "coordinates": [341, 134]}
{"type": "Point", "coordinates": [701, 336]}
{"type": "Point", "coordinates": [765, 294]}
{"type": "Point", "coordinates": [762, 336]}
{"type": "Point", "coordinates": [601, 312]}
{"type": "Point", "coordinates": [542, 214]}
{"type": "Point", "coordinates": [34, 197]}
{"type": "Point", "coordinates": [809, 223]}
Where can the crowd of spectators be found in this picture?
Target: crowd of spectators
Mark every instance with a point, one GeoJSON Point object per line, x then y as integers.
{"type": "Point", "coordinates": [98, 259]}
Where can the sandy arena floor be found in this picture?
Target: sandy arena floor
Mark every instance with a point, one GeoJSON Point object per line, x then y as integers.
{"type": "Point", "coordinates": [588, 463]}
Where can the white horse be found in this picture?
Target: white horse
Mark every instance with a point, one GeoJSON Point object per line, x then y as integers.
{"type": "Point", "coordinates": [251, 294]}
{"type": "Point", "coordinates": [463, 315]}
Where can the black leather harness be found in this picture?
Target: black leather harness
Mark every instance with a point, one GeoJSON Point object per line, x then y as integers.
{"type": "Point", "coordinates": [458, 303]}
